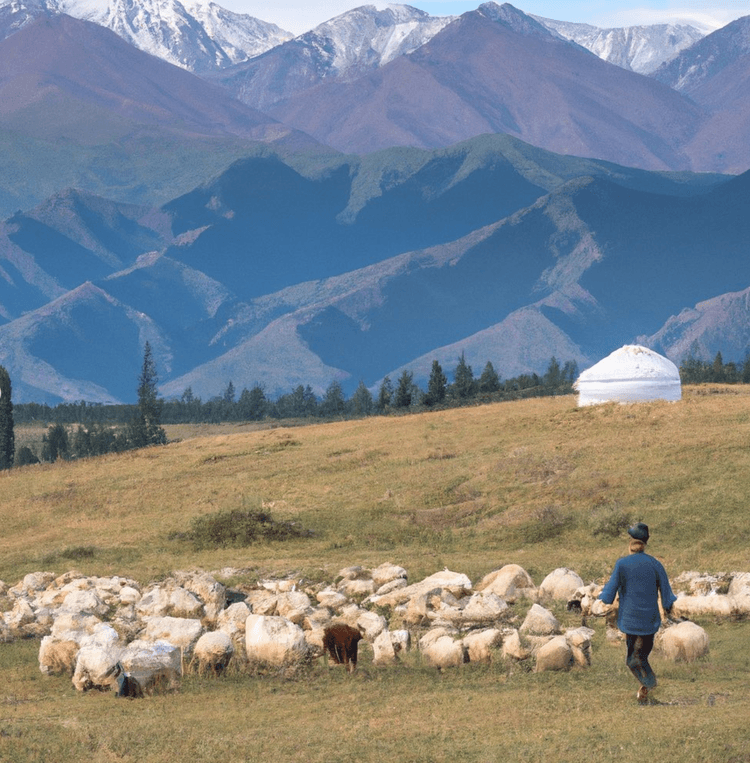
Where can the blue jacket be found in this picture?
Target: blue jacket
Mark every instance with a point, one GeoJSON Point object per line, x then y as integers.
{"type": "Point", "coordinates": [638, 579]}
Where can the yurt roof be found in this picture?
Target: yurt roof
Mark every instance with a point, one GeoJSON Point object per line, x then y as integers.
{"type": "Point", "coordinates": [632, 363]}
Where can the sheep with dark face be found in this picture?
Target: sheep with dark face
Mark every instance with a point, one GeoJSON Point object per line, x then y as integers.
{"type": "Point", "coordinates": [341, 642]}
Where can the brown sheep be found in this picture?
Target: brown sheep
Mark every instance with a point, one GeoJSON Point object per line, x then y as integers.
{"type": "Point", "coordinates": [341, 641]}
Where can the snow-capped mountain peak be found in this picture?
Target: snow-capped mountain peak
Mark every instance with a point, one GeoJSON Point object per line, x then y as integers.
{"type": "Point", "coordinates": [510, 16]}
{"type": "Point", "coordinates": [241, 36]}
{"type": "Point", "coordinates": [199, 36]}
{"type": "Point", "coordinates": [641, 49]}
{"type": "Point", "coordinates": [367, 37]}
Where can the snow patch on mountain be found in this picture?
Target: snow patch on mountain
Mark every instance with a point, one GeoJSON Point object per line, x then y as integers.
{"type": "Point", "coordinates": [640, 49]}
{"type": "Point", "coordinates": [200, 38]}
{"type": "Point", "coordinates": [368, 37]}
{"type": "Point", "coordinates": [241, 36]}
{"type": "Point", "coordinates": [706, 59]}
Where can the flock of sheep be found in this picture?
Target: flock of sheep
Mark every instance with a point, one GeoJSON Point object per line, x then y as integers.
{"type": "Point", "coordinates": [114, 634]}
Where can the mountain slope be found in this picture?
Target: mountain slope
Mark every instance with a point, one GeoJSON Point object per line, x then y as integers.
{"type": "Point", "coordinates": [641, 49]}
{"type": "Point", "coordinates": [582, 271]}
{"type": "Point", "coordinates": [91, 87]}
{"type": "Point", "coordinates": [721, 324]}
{"type": "Point", "coordinates": [69, 349]}
{"type": "Point", "coordinates": [202, 37]}
{"type": "Point", "coordinates": [716, 75]}
{"type": "Point", "coordinates": [342, 49]}
{"type": "Point", "coordinates": [88, 110]}
{"type": "Point", "coordinates": [240, 36]}
{"type": "Point", "coordinates": [354, 212]}
{"type": "Point", "coordinates": [498, 70]}
{"type": "Point", "coordinates": [565, 256]}
{"type": "Point", "coordinates": [71, 238]}
{"type": "Point", "coordinates": [706, 58]}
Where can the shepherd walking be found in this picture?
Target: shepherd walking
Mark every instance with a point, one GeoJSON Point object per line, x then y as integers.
{"type": "Point", "coordinates": [639, 579]}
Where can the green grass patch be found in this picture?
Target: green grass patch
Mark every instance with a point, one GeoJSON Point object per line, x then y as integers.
{"type": "Point", "coordinates": [238, 528]}
{"type": "Point", "coordinates": [70, 554]}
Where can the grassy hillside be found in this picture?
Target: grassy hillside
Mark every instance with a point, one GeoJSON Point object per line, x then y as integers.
{"type": "Point", "coordinates": [537, 482]}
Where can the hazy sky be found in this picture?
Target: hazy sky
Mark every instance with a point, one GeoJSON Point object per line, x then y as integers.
{"type": "Point", "coordinates": [300, 15]}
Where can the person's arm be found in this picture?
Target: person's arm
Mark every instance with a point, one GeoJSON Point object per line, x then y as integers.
{"type": "Point", "coordinates": [667, 596]}
{"type": "Point", "coordinates": [610, 590]}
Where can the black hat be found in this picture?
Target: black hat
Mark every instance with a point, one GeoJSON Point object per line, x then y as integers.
{"type": "Point", "coordinates": [639, 531]}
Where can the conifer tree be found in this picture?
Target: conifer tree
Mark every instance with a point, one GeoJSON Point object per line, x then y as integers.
{"type": "Point", "coordinates": [553, 377]}
{"type": "Point", "coordinates": [229, 393]}
{"type": "Point", "coordinates": [7, 436]}
{"type": "Point", "coordinates": [403, 396]}
{"type": "Point", "coordinates": [464, 385]}
{"type": "Point", "coordinates": [385, 394]}
{"type": "Point", "coordinates": [333, 403]}
{"type": "Point", "coordinates": [717, 369]}
{"type": "Point", "coordinates": [489, 381]}
{"type": "Point", "coordinates": [361, 401]}
{"type": "Point", "coordinates": [55, 444]}
{"type": "Point", "coordinates": [570, 372]}
{"type": "Point", "coordinates": [145, 427]}
{"type": "Point", "coordinates": [253, 404]}
{"type": "Point", "coordinates": [436, 386]}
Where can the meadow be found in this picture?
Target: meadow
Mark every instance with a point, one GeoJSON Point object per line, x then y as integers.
{"type": "Point", "coordinates": [538, 482]}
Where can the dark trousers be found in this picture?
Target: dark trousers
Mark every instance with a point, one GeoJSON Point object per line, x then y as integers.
{"type": "Point", "coordinates": [639, 648]}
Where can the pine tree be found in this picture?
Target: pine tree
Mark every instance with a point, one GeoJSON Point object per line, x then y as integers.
{"type": "Point", "coordinates": [717, 369]}
{"type": "Point", "coordinates": [253, 404]}
{"type": "Point", "coordinates": [464, 385]}
{"type": "Point", "coordinates": [692, 369]}
{"type": "Point", "coordinates": [361, 401]}
{"type": "Point", "coordinates": [333, 403]}
{"type": "Point", "coordinates": [229, 393]}
{"type": "Point", "coordinates": [309, 401]}
{"type": "Point", "coordinates": [489, 381]}
{"type": "Point", "coordinates": [145, 427]}
{"type": "Point", "coordinates": [553, 377]}
{"type": "Point", "coordinates": [436, 386]}
{"type": "Point", "coordinates": [55, 444]}
{"type": "Point", "coordinates": [745, 369]}
{"type": "Point", "coordinates": [570, 373]}
{"type": "Point", "coordinates": [7, 436]}
{"type": "Point", "coordinates": [403, 396]}
{"type": "Point", "coordinates": [385, 394]}
{"type": "Point", "coordinates": [82, 444]}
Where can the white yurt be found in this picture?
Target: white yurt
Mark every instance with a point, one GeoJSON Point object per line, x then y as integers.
{"type": "Point", "coordinates": [629, 375]}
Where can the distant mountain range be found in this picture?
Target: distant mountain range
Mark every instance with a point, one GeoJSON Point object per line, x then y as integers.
{"type": "Point", "coordinates": [282, 273]}
{"type": "Point", "coordinates": [363, 81]}
{"type": "Point", "coordinates": [88, 110]}
{"type": "Point", "coordinates": [498, 70]}
{"type": "Point", "coordinates": [341, 50]}
{"type": "Point", "coordinates": [385, 190]}
{"type": "Point", "coordinates": [203, 37]}
{"type": "Point", "coordinates": [641, 49]}
{"type": "Point", "coordinates": [198, 36]}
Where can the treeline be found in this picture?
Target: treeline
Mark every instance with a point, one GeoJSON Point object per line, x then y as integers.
{"type": "Point", "coordinates": [102, 428]}
{"type": "Point", "coordinates": [79, 430]}
{"type": "Point", "coordinates": [693, 370]}
{"type": "Point", "coordinates": [141, 427]}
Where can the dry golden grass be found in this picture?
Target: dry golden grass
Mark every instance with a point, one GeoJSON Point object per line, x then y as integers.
{"type": "Point", "coordinates": [470, 489]}
{"type": "Point", "coordinates": [491, 714]}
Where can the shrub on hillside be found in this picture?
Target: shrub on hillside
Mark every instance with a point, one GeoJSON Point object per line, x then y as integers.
{"type": "Point", "coordinates": [610, 521]}
{"type": "Point", "coordinates": [25, 456]}
{"type": "Point", "coordinates": [545, 524]}
{"type": "Point", "coordinates": [240, 527]}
